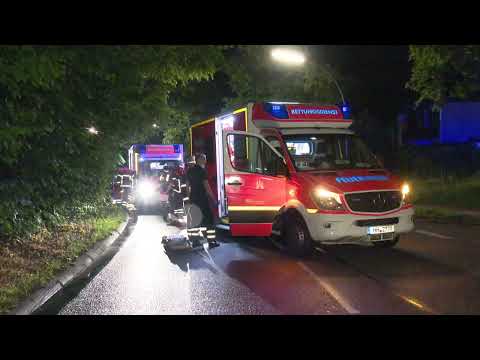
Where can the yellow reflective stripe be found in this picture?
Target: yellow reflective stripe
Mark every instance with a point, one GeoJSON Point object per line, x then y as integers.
{"type": "Point", "coordinates": [253, 208]}
{"type": "Point", "coordinates": [191, 142]}
{"type": "Point", "coordinates": [240, 110]}
{"type": "Point", "coordinates": [312, 211]}
{"type": "Point", "coordinates": [203, 122]}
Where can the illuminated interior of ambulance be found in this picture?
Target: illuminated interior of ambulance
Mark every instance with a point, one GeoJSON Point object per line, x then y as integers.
{"type": "Point", "coordinates": [316, 152]}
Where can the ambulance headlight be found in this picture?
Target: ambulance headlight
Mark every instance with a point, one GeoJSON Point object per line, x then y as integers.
{"type": "Point", "coordinates": [146, 189]}
{"type": "Point", "coordinates": [405, 193]}
{"type": "Point", "coordinates": [327, 200]}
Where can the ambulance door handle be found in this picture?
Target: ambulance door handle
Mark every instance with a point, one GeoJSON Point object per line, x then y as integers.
{"type": "Point", "coordinates": [234, 182]}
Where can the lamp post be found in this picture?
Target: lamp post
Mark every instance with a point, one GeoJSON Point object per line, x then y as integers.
{"type": "Point", "coordinates": [295, 57]}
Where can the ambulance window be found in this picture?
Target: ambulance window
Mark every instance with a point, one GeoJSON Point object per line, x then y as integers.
{"type": "Point", "coordinates": [255, 155]}
{"type": "Point", "coordinates": [275, 143]}
{"type": "Point", "coordinates": [273, 164]}
{"type": "Point", "coordinates": [244, 153]}
{"type": "Point", "coordinates": [299, 148]}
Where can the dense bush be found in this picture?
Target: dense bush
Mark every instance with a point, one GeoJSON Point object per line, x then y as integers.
{"type": "Point", "coordinates": [51, 167]}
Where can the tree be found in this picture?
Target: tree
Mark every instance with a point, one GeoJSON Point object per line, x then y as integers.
{"type": "Point", "coordinates": [253, 75]}
{"type": "Point", "coordinates": [49, 163]}
{"type": "Point", "coordinates": [372, 79]}
{"type": "Point", "coordinates": [176, 128]}
{"type": "Point", "coordinates": [442, 72]}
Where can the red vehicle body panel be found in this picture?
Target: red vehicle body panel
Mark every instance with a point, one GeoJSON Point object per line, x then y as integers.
{"type": "Point", "coordinates": [256, 198]}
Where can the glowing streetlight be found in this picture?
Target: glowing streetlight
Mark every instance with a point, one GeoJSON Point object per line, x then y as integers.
{"type": "Point", "coordinates": [92, 130]}
{"type": "Point", "coordinates": [155, 126]}
{"type": "Point", "coordinates": [288, 56]}
{"type": "Point", "coordinates": [295, 57]}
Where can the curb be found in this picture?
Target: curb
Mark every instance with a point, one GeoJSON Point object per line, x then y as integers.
{"type": "Point", "coordinates": [83, 264]}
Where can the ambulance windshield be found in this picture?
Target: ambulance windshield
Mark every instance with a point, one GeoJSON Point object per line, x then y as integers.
{"type": "Point", "coordinates": [157, 167]}
{"type": "Point", "coordinates": [317, 152]}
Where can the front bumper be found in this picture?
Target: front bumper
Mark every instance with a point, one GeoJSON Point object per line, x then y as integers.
{"type": "Point", "coordinates": [156, 199]}
{"type": "Point", "coordinates": [343, 229]}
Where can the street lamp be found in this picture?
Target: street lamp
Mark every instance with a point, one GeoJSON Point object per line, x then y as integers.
{"type": "Point", "coordinates": [295, 57]}
{"type": "Point", "coordinates": [155, 126]}
{"type": "Point", "coordinates": [288, 56]}
{"type": "Point", "coordinates": [92, 130]}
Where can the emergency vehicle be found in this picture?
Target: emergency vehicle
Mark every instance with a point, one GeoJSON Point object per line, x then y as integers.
{"type": "Point", "coordinates": [122, 185]}
{"type": "Point", "coordinates": [295, 173]}
{"type": "Point", "coordinates": [151, 164]}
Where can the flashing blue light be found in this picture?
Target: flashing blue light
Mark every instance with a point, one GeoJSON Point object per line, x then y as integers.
{"type": "Point", "coordinates": [477, 145]}
{"type": "Point", "coordinates": [346, 111]}
{"type": "Point", "coordinates": [177, 148]}
{"type": "Point", "coordinates": [278, 111]}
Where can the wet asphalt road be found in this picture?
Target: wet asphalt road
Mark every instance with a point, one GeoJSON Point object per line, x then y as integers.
{"type": "Point", "coordinates": [434, 270]}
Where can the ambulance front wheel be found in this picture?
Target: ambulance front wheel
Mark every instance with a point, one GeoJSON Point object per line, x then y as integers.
{"type": "Point", "coordinates": [297, 237]}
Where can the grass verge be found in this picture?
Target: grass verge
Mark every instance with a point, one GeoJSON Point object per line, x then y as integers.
{"type": "Point", "coordinates": [446, 216]}
{"type": "Point", "coordinates": [460, 194]}
{"type": "Point", "coordinates": [30, 263]}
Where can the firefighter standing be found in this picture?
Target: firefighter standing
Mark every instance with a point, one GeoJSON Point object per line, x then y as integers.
{"type": "Point", "coordinates": [199, 194]}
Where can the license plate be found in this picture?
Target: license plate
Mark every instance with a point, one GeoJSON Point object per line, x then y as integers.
{"type": "Point", "coordinates": [372, 230]}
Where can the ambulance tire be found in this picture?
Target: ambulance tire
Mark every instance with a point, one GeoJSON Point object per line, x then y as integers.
{"type": "Point", "coordinates": [387, 243]}
{"type": "Point", "coordinates": [277, 226]}
{"type": "Point", "coordinates": [297, 237]}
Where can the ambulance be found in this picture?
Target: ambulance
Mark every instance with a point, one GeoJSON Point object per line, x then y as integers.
{"type": "Point", "coordinates": [297, 174]}
{"type": "Point", "coordinates": [151, 163]}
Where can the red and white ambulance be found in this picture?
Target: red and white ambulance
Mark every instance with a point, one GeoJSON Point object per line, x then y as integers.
{"type": "Point", "coordinates": [296, 173]}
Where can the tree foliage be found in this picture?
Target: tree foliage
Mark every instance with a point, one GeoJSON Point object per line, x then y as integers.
{"type": "Point", "coordinates": [50, 166]}
{"type": "Point", "coordinates": [442, 72]}
{"type": "Point", "coordinates": [253, 75]}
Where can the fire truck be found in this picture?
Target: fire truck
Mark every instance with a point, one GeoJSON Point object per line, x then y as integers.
{"type": "Point", "coordinates": [297, 174]}
{"type": "Point", "coordinates": [151, 164]}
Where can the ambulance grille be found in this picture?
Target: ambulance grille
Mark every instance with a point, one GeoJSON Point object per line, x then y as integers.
{"type": "Point", "coordinates": [375, 201]}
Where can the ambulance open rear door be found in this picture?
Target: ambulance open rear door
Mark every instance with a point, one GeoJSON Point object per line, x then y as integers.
{"type": "Point", "coordinates": [254, 180]}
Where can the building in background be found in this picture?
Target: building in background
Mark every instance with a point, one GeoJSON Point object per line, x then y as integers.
{"type": "Point", "coordinates": [440, 142]}
{"type": "Point", "coordinates": [455, 123]}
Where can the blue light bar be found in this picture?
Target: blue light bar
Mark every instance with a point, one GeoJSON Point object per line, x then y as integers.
{"type": "Point", "coordinates": [277, 110]}
{"type": "Point", "coordinates": [346, 111]}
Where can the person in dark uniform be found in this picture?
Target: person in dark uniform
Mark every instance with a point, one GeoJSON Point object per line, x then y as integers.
{"type": "Point", "coordinates": [200, 195]}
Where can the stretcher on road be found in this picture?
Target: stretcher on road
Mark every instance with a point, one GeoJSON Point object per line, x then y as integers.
{"type": "Point", "coordinates": [193, 237]}
{"type": "Point", "coordinates": [190, 239]}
